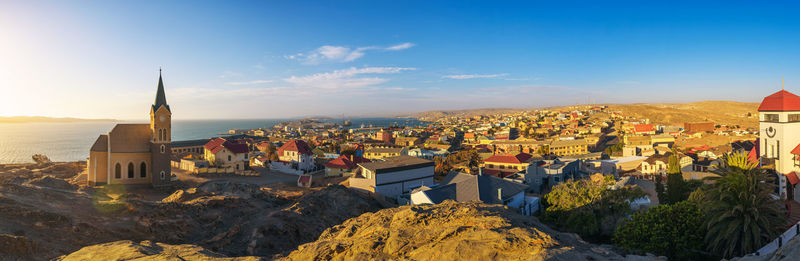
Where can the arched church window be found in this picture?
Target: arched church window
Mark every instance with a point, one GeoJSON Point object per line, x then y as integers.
{"type": "Point", "coordinates": [143, 170]}
{"type": "Point", "coordinates": [130, 170]}
{"type": "Point", "coordinates": [163, 148]}
{"type": "Point", "coordinates": [163, 175]}
{"type": "Point", "coordinates": [118, 171]}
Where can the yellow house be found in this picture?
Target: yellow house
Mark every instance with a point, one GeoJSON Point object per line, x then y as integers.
{"type": "Point", "coordinates": [569, 147]}
{"type": "Point", "coordinates": [381, 153]}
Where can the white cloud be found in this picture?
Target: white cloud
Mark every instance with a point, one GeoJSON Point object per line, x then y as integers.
{"type": "Point", "coordinates": [628, 82]}
{"type": "Point", "coordinates": [250, 82]}
{"type": "Point", "coordinates": [341, 54]}
{"type": "Point", "coordinates": [399, 47]}
{"type": "Point", "coordinates": [346, 78]}
{"type": "Point", "coordinates": [473, 76]}
{"type": "Point", "coordinates": [230, 74]}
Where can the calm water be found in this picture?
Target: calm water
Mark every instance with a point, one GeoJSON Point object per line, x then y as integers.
{"type": "Point", "coordinates": [71, 141]}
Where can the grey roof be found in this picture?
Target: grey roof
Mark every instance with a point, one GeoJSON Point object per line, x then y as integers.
{"type": "Point", "coordinates": [101, 144]}
{"type": "Point", "coordinates": [473, 187]}
{"type": "Point", "coordinates": [441, 193]}
{"type": "Point", "coordinates": [161, 98]}
{"type": "Point", "coordinates": [398, 163]}
{"type": "Point", "coordinates": [189, 143]}
{"type": "Point", "coordinates": [130, 138]}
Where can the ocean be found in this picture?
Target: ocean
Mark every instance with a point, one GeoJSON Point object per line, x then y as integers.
{"type": "Point", "coordinates": [71, 141]}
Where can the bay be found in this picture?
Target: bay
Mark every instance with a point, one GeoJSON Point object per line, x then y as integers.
{"type": "Point", "coordinates": [71, 141]}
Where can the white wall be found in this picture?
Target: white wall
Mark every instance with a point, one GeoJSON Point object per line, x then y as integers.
{"type": "Point", "coordinates": [402, 181]}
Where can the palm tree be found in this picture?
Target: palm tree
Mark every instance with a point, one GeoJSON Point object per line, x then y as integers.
{"type": "Point", "coordinates": [742, 215]}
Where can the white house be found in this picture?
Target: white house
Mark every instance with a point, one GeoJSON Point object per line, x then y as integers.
{"type": "Point", "coordinates": [393, 176]}
{"type": "Point", "coordinates": [223, 153]}
{"type": "Point", "coordinates": [294, 156]}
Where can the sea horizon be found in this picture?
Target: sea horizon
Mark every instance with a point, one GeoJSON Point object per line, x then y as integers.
{"type": "Point", "coordinates": [70, 141]}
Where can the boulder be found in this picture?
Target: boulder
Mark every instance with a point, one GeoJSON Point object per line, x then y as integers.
{"type": "Point", "coordinates": [147, 250]}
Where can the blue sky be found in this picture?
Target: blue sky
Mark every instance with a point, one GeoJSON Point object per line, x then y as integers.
{"type": "Point", "coordinates": [279, 59]}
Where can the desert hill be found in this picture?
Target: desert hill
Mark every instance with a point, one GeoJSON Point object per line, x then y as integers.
{"type": "Point", "coordinates": [438, 114]}
{"type": "Point", "coordinates": [722, 112]}
{"type": "Point", "coordinates": [450, 231]}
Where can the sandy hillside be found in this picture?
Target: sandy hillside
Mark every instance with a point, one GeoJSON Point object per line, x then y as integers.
{"type": "Point", "coordinates": [721, 112]}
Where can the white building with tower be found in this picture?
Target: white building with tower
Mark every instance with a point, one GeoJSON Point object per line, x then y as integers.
{"type": "Point", "coordinates": [779, 140]}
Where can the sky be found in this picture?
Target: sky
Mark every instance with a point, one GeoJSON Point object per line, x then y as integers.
{"type": "Point", "coordinates": [282, 59]}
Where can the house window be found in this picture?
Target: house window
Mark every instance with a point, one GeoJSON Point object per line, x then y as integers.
{"type": "Point", "coordinates": [794, 117]}
{"type": "Point", "coordinates": [771, 117]}
{"type": "Point", "coordinates": [143, 170]}
{"type": "Point", "coordinates": [229, 157]}
{"type": "Point", "coordinates": [130, 170]}
{"type": "Point", "coordinates": [118, 171]}
{"type": "Point", "coordinates": [502, 166]}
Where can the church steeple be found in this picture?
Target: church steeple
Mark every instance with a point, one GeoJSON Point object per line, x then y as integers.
{"type": "Point", "coordinates": [161, 99]}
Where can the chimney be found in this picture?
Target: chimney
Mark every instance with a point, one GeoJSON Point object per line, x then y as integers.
{"type": "Point", "coordinates": [500, 194]}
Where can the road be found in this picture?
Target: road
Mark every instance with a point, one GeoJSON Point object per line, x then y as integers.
{"type": "Point", "coordinates": [267, 177]}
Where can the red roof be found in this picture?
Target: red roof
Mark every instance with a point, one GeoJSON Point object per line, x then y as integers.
{"type": "Point", "coordinates": [218, 144]}
{"type": "Point", "coordinates": [796, 150]}
{"type": "Point", "coordinates": [214, 143]}
{"type": "Point", "coordinates": [295, 145]}
{"type": "Point", "coordinates": [513, 159]}
{"type": "Point", "coordinates": [642, 128]}
{"type": "Point", "coordinates": [497, 173]}
{"type": "Point", "coordinates": [792, 177]}
{"type": "Point", "coordinates": [780, 101]}
{"type": "Point", "coordinates": [342, 162]}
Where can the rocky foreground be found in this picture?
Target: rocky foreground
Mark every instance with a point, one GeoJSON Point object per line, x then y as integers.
{"type": "Point", "coordinates": [450, 231]}
{"type": "Point", "coordinates": [44, 214]}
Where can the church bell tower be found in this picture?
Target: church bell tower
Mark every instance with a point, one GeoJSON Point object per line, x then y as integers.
{"type": "Point", "coordinates": [161, 128]}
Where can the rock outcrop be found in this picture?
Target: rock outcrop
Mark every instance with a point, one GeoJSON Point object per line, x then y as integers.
{"type": "Point", "coordinates": [789, 251]}
{"type": "Point", "coordinates": [450, 231]}
{"type": "Point", "coordinates": [234, 219]}
{"type": "Point", "coordinates": [146, 250]}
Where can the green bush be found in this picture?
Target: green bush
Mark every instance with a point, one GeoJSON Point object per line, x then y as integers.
{"type": "Point", "coordinates": [674, 230]}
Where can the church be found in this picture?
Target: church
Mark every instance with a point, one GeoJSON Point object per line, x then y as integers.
{"type": "Point", "coordinates": [135, 153]}
{"type": "Point", "coordinates": [779, 140]}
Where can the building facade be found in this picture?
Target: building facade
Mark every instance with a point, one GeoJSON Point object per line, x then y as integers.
{"type": "Point", "coordinates": [779, 137]}
{"type": "Point", "coordinates": [135, 153]}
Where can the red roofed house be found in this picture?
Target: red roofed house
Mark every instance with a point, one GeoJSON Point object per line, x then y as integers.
{"type": "Point", "coordinates": [779, 139]}
{"type": "Point", "coordinates": [298, 154]}
{"type": "Point", "coordinates": [644, 129]}
{"type": "Point", "coordinates": [223, 153]}
{"type": "Point", "coordinates": [505, 165]}
{"type": "Point", "coordinates": [343, 165]}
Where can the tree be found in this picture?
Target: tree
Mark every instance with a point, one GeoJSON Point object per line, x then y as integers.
{"type": "Point", "coordinates": [442, 167]}
{"type": "Point", "coordinates": [677, 188]}
{"type": "Point", "coordinates": [675, 231]}
{"type": "Point", "coordinates": [742, 215]}
{"type": "Point", "coordinates": [589, 207]}
{"type": "Point", "coordinates": [474, 160]}
{"type": "Point", "coordinates": [662, 197]}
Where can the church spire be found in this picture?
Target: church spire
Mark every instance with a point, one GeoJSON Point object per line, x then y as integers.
{"type": "Point", "coordinates": [161, 99]}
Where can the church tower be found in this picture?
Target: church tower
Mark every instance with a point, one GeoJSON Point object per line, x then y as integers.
{"type": "Point", "coordinates": [161, 129]}
{"type": "Point", "coordinates": [779, 139]}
